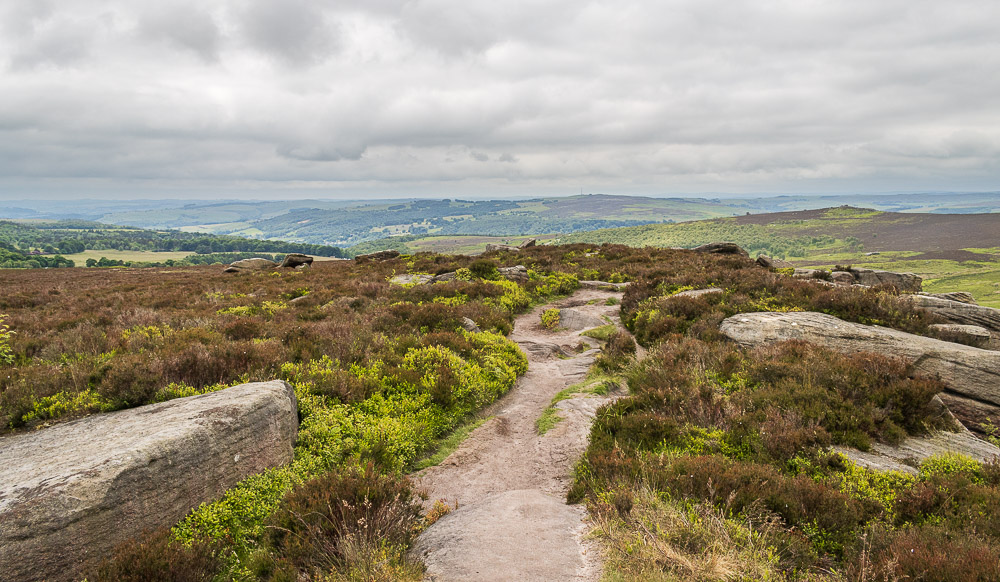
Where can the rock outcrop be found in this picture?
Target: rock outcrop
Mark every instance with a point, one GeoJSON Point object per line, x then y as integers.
{"type": "Point", "coordinates": [416, 279]}
{"type": "Point", "coordinates": [970, 335]}
{"type": "Point", "coordinates": [603, 285]}
{"type": "Point", "coordinates": [773, 263]}
{"type": "Point", "coordinates": [978, 416]}
{"type": "Point", "coordinates": [72, 492]}
{"type": "Point", "coordinates": [901, 457]}
{"type": "Point", "coordinates": [960, 296]}
{"type": "Point", "coordinates": [293, 260]}
{"type": "Point", "coordinates": [959, 312]}
{"type": "Point", "coordinates": [246, 265]}
{"type": "Point", "coordinates": [722, 248]}
{"type": "Point", "coordinates": [906, 282]}
{"type": "Point", "coordinates": [517, 273]}
{"type": "Point", "coordinates": [501, 247]}
{"type": "Point", "coordinates": [697, 292]}
{"type": "Point", "coordinates": [574, 320]}
{"type": "Point", "coordinates": [528, 243]}
{"type": "Point", "coordinates": [379, 256]}
{"type": "Point", "coordinates": [469, 325]}
{"type": "Point", "coordinates": [969, 371]}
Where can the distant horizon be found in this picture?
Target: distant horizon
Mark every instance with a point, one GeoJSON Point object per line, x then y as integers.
{"type": "Point", "coordinates": [198, 201]}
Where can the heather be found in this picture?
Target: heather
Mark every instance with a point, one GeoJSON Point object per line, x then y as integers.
{"type": "Point", "coordinates": [717, 465]}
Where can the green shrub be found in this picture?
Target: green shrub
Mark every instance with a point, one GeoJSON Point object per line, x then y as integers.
{"type": "Point", "coordinates": [6, 353]}
{"type": "Point", "coordinates": [550, 318]}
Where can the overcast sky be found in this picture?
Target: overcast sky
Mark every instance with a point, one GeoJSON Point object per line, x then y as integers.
{"type": "Point", "coordinates": [358, 98]}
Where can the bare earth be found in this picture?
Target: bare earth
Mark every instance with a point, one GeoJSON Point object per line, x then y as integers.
{"type": "Point", "coordinates": [510, 484]}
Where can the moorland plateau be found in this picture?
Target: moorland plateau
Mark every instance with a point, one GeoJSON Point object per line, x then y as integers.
{"type": "Point", "coordinates": [722, 461]}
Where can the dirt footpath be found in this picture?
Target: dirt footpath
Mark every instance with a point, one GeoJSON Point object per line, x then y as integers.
{"type": "Point", "coordinates": [510, 484]}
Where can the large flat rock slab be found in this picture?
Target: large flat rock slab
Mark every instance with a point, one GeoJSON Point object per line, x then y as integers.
{"type": "Point", "coordinates": [969, 371]}
{"type": "Point", "coordinates": [500, 537]}
{"type": "Point", "coordinates": [74, 491]}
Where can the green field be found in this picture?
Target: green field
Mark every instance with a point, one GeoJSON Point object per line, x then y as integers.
{"type": "Point", "coordinates": [145, 256]}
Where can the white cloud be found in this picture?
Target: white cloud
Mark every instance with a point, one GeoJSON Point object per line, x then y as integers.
{"type": "Point", "coordinates": [439, 96]}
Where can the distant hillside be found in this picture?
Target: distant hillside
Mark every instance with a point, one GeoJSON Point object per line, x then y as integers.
{"type": "Point", "coordinates": [793, 234]}
{"type": "Point", "coordinates": [351, 226]}
{"type": "Point", "coordinates": [950, 251]}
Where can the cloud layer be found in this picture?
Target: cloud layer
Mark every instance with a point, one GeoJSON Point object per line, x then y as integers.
{"type": "Point", "coordinates": [390, 97]}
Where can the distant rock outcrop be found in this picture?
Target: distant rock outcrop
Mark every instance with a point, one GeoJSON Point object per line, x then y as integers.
{"type": "Point", "coordinates": [722, 248]}
{"type": "Point", "coordinates": [379, 256]}
{"type": "Point", "coordinates": [500, 247]}
{"type": "Point", "coordinates": [246, 265]}
{"type": "Point", "coordinates": [293, 260]}
{"type": "Point", "coordinates": [528, 243]}
{"type": "Point", "coordinates": [773, 263]}
{"type": "Point", "coordinates": [969, 371]}
{"type": "Point", "coordinates": [74, 491]}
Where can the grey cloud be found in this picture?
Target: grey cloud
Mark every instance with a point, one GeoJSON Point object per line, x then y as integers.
{"type": "Point", "coordinates": [683, 95]}
{"type": "Point", "coordinates": [188, 26]}
{"type": "Point", "coordinates": [295, 31]}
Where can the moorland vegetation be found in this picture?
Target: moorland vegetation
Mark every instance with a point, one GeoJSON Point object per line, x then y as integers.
{"type": "Point", "coordinates": [716, 465]}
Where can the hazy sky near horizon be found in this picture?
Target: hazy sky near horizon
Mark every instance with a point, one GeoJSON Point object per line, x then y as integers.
{"type": "Point", "coordinates": [355, 98]}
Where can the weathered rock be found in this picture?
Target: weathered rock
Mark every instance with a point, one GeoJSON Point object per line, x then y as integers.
{"type": "Point", "coordinates": [528, 243]}
{"type": "Point", "coordinates": [697, 292]}
{"type": "Point", "coordinates": [970, 335]}
{"type": "Point", "coordinates": [974, 414]}
{"type": "Point", "coordinates": [958, 312]}
{"type": "Point", "coordinates": [303, 267]}
{"type": "Point", "coordinates": [911, 451]}
{"type": "Point", "coordinates": [964, 369]}
{"type": "Point", "coordinates": [517, 273]}
{"type": "Point", "coordinates": [74, 491]}
{"type": "Point", "coordinates": [722, 248]}
{"type": "Point", "coordinates": [575, 320]}
{"type": "Point", "coordinates": [379, 256]}
{"type": "Point", "coordinates": [906, 282]}
{"type": "Point", "coordinates": [773, 263]}
{"type": "Point", "coordinates": [604, 285]}
{"type": "Point", "coordinates": [469, 325]}
{"type": "Point", "coordinates": [960, 296]}
{"type": "Point", "coordinates": [408, 279]}
{"type": "Point", "coordinates": [499, 247]}
{"type": "Point", "coordinates": [501, 525]}
{"type": "Point", "coordinates": [446, 277]}
{"type": "Point", "coordinates": [300, 300]}
{"type": "Point", "coordinates": [842, 277]}
{"type": "Point", "coordinates": [802, 273]}
{"type": "Point", "coordinates": [250, 265]}
{"type": "Point", "coordinates": [293, 260]}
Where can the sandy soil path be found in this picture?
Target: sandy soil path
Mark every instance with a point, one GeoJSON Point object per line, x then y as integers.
{"type": "Point", "coordinates": [510, 484]}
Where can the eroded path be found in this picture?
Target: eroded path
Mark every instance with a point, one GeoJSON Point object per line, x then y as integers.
{"type": "Point", "coordinates": [510, 484]}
